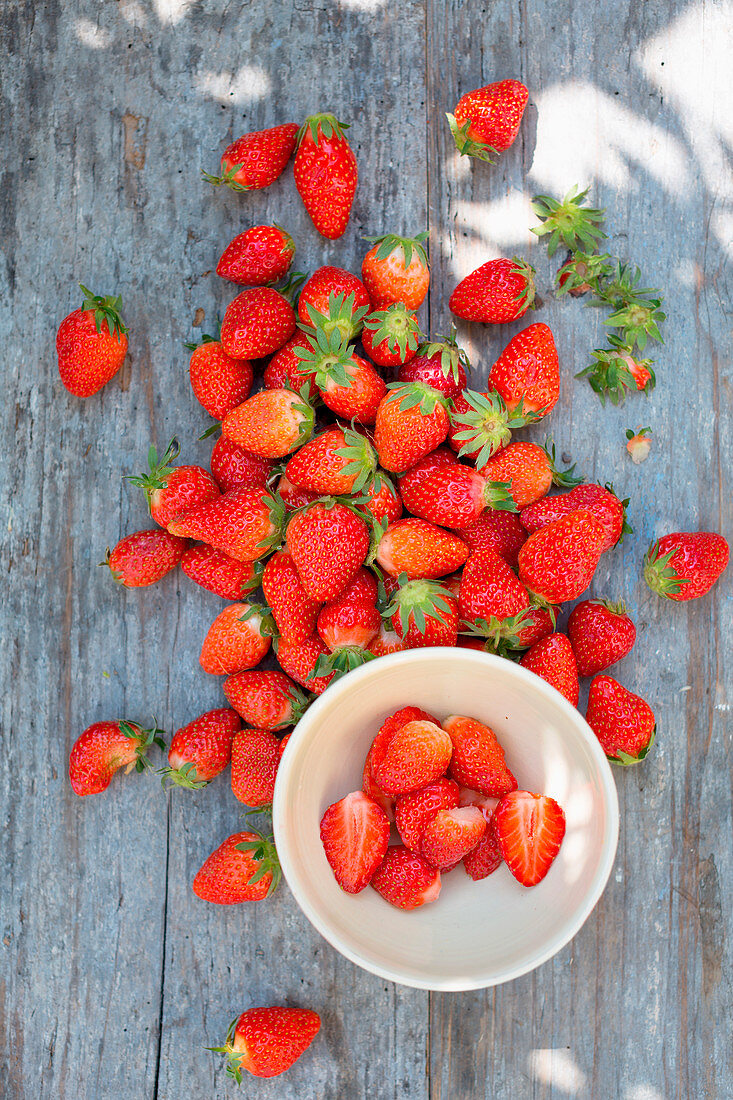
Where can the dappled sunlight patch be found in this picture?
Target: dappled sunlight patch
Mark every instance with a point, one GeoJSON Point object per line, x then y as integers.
{"type": "Point", "coordinates": [491, 229]}
{"type": "Point", "coordinates": [556, 1067]}
{"type": "Point", "coordinates": [91, 35]}
{"type": "Point", "coordinates": [173, 11]}
{"type": "Point", "coordinates": [361, 5]}
{"type": "Point", "coordinates": [133, 12]}
{"type": "Point", "coordinates": [247, 85]}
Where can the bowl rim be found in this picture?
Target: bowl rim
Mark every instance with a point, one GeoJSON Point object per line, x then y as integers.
{"type": "Point", "coordinates": [534, 683]}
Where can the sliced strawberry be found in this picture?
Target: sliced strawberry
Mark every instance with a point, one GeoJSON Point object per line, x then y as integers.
{"type": "Point", "coordinates": [406, 880]}
{"type": "Point", "coordinates": [484, 859]}
{"type": "Point", "coordinates": [529, 828]}
{"type": "Point", "coordinates": [416, 809]}
{"type": "Point", "coordinates": [451, 835]}
{"type": "Point", "coordinates": [355, 834]}
{"type": "Point", "coordinates": [417, 754]}
{"type": "Point", "coordinates": [478, 758]}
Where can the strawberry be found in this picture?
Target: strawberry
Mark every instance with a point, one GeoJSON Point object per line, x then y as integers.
{"type": "Point", "coordinates": [500, 531]}
{"type": "Point", "coordinates": [336, 461]}
{"type": "Point", "coordinates": [553, 659]}
{"type": "Point", "coordinates": [600, 633]}
{"type": "Point", "coordinates": [405, 879]}
{"type": "Point", "coordinates": [438, 459]}
{"type": "Point", "coordinates": [91, 344]}
{"type": "Point", "coordinates": [419, 549]}
{"type": "Point", "coordinates": [381, 500]}
{"type": "Point", "coordinates": [451, 835]}
{"type": "Point", "coordinates": [411, 421]}
{"type": "Point", "coordinates": [395, 269]}
{"type": "Point", "coordinates": [201, 749]}
{"type": "Point", "coordinates": [439, 363]}
{"type": "Point", "coordinates": [103, 748]}
{"type": "Point", "coordinates": [292, 496]}
{"type": "Point", "coordinates": [391, 335]}
{"type": "Point", "coordinates": [257, 322]}
{"type": "Point", "coordinates": [244, 868]}
{"type": "Point", "coordinates": [623, 722]}
{"type": "Point", "coordinates": [486, 121]}
{"type": "Point", "coordinates": [243, 523]}
{"type": "Point", "coordinates": [557, 563]}
{"type": "Point", "coordinates": [530, 829]}
{"type": "Point", "coordinates": [334, 300]}
{"type": "Point", "coordinates": [299, 660]}
{"type": "Point", "coordinates": [481, 425]}
{"type": "Point", "coordinates": [527, 471]}
{"type": "Point", "coordinates": [416, 754]}
{"type": "Point", "coordinates": [355, 835]}
{"type": "Point", "coordinates": [506, 636]}
{"type": "Point", "coordinates": [453, 496]}
{"type": "Point", "coordinates": [490, 589]}
{"type": "Point", "coordinates": [236, 640]}
{"type": "Point", "coordinates": [378, 748]}
{"type": "Point", "coordinates": [527, 373]}
{"type": "Point", "coordinates": [614, 371]}
{"type": "Point", "coordinates": [325, 174]}
{"type": "Point", "coordinates": [172, 491]}
{"type": "Point", "coordinates": [218, 573]}
{"type": "Point", "coordinates": [478, 758]}
{"type": "Point", "coordinates": [294, 612]}
{"type": "Point", "coordinates": [327, 542]}
{"type": "Point", "coordinates": [349, 385]}
{"type": "Point", "coordinates": [486, 857]}
{"type": "Point", "coordinates": [351, 620]}
{"type": "Point", "coordinates": [255, 760]}
{"type": "Point", "coordinates": [260, 255]}
{"type": "Point", "coordinates": [235, 468]}
{"type": "Point", "coordinates": [286, 369]}
{"type": "Point", "coordinates": [496, 293]}
{"type": "Point", "coordinates": [581, 272]}
{"type": "Point", "coordinates": [685, 564]}
{"type": "Point", "coordinates": [639, 444]}
{"type": "Point", "coordinates": [144, 557]}
{"type": "Point", "coordinates": [424, 613]}
{"type": "Point", "coordinates": [602, 503]}
{"type": "Point", "coordinates": [415, 809]}
{"type": "Point", "coordinates": [271, 423]}
{"type": "Point", "coordinates": [386, 641]}
{"type": "Point", "coordinates": [219, 383]}
{"type": "Point", "coordinates": [265, 699]}
{"type": "Point", "coordinates": [256, 159]}
{"type": "Point", "coordinates": [266, 1041]}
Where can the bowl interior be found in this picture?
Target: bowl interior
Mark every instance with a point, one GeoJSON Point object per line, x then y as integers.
{"type": "Point", "coordinates": [477, 933]}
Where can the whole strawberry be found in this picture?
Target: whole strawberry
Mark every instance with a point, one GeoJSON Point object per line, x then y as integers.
{"type": "Point", "coordinates": [271, 423]}
{"type": "Point", "coordinates": [335, 300]}
{"type": "Point", "coordinates": [144, 557]}
{"type": "Point", "coordinates": [439, 363]}
{"type": "Point", "coordinates": [219, 383]}
{"type": "Point", "coordinates": [391, 335]}
{"type": "Point", "coordinates": [481, 425]}
{"type": "Point", "coordinates": [478, 759]}
{"type": "Point", "coordinates": [553, 659]}
{"type": "Point", "coordinates": [265, 699]}
{"type": "Point", "coordinates": [338, 461]}
{"type": "Point", "coordinates": [172, 491]}
{"type": "Point", "coordinates": [260, 255]}
{"type": "Point", "coordinates": [527, 373]}
{"type": "Point", "coordinates": [244, 523]}
{"type": "Point", "coordinates": [255, 760]}
{"type": "Point", "coordinates": [424, 613]}
{"type": "Point", "coordinates": [233, 467]}
{"type": "Point", "coordinates": [557, 563]}
{"type": "Point", "coordinates": [601, 502]}
{"type": "Point", "coordinates": [623, 722]}
{"type": "Point", "coordinates": [454, 496]}
{"type": "Point", "coordinates": [328, 543]}
{"type": "Point", "coordinates": [266, 1041]}
{"type": "Point", "coordinates": [419, 549]}
{"type": "Point", "coordinates": [490, 589]}
{"type": "Point", "coordinates": [600, 633]}
{"type": "Point", "coordinates": [486, 121]}
{"type": "Point", "coordinates": [201, 749]}
{"type": "Point", "coordinates": [256, 159]}
{"type": "Point", "coordinates": [396, 269]}
{"type": "Point", "coordinates": [103, 748]}
{"type": "Point", "coordinates": [293, 610]}
{"type": "Point", "coordinates": [412, 420]}
{"type": "Point", "coordinates": [258, 322]}
{"type": "Point", "coordinates": [237, 639]}
{"type": "Point", "coordinates": [218, 573]}
{"type": "Point", "coordinates": [527, 472]}
{"type": "Point", "coordinates": [685, 564]}
{"type": "Point", "coordinates": [348, 384]}
{"type": "Point", "coordinates": [496, 293]}
{"type": "Point", "coordinates": [244, 867]}
{"type": "Point", "coordinates": [325, 174]}
{"type": "Point", "coordinates": [91, 344]}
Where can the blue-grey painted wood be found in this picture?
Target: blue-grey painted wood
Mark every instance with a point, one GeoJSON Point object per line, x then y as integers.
{"type": "Point", "coordinates": [114, 976]}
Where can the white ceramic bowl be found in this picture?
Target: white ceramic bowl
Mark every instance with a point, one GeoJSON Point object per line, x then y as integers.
{"type": "Point", "coordinates": [477, 933]}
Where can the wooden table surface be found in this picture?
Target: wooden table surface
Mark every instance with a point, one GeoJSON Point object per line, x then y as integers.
{"type": "Point", "coordinates": [114, 976]}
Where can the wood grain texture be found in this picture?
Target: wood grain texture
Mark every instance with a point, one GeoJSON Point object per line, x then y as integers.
{"type": "Point", "coordinates": [113, 975]}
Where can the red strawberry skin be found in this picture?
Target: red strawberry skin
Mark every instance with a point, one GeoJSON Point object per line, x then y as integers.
{"type": "Point", "coordinates": [478, 758]}
{"type": "Point", "coordinates": [257, 323]}
{"type": "Point", "coordinates": [317, 293]}
{"type": "Point", "coordinates": [225, 876]}
{"type": "Point", "coordinates": [299, 659]}
{"type": "Point", "coordinates": [623, 722]}
{"type": "Point", "coordinates": [451, 835]}
{"type": "Point", "coordinates": [217, 572]}
{"type": "Point", "coordinates": [233, 467]}
{"type": "Point", "coordinates": [499, 531]}
{"type": "Point", "coordinates": [88, 359]}
{"type": "Point", "coordinates": [415, 809]}
{"type": "Point", "coordinates": [600, 502]}
{"type": "Point", "coordinates": [600, 634]}
{"type": "Point", "coordinates": [405, 879]}
{"type": "Point", "coordinates": [145, 557]}
{"type": "Point", "coordinates": [530, 829]}
{"type": "Point", "coordinates": [418, 753]}
{"type": "Point", "coordinates": [402, 436]}
{"type": "Point", "coordinates": [496, 293]}
{"type": "Point", "coordinates": [486, 857]}
{"type": "Point", "coordinates": [328, 543]}
{"type": "Point", "coordinates": [219, 383]}
{"type": "Point", "coordinates": [255, 760]}
{"type": "Point", "coordinates": [233, 643]}
{"type": "Point", "coordinates": [326, 175]}
{"type": "Point", "coordinates": [265, 699]}
{"type": "Point", "coordinates": [685, 564]}
{"type": "Point", "coordinates": [449, 497]}
{"type": "Point", "coordinates": [420, 549]}
{"type": "Point", "coordinates": [378, 749]}
{"type": "Point", "coordinates": [181, 488]}
{"type": "Point", "coordinates": [206, 743]}
{"type": "Point", "coordinates": [260, 255]}
{"type": "Point", "coordinates": [528, 370]}
{"type": "Point", "coordinates": [267, 1041]}
{"type": "Point", "coordinates": [98, 753]}
{"type": "Point", "coordinates": [257, 159]}
{"type": "Point", "coordinates": [239, 523]}
{"type": "Point", "coordinates": [490, 589]}
{"type": "Point", "coordinates": [294, 612]}
{"type": "Point", "coordinates": [429, 369]}
{"type": "Point", "coordinates": [493, 112]}
{"type": "Point", "coordinates": [526, 465]}
{"type": "Point", "coordinates": [355, 835]}
{"type": "Point", "coordinates": [553, 659]}
{"type": "Point", "coordinates": [286, 368]}
{"type": "Point", "coordinates": [557, 563]}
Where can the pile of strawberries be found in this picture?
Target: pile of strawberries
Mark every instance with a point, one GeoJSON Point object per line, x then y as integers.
{"type": "Point", "coordinates": [375, 499]}
{"type": "Point", "coordinates": [453, 800]}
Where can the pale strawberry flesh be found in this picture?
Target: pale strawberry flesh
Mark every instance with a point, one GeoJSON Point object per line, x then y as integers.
{"type": "Point", "coordinates": [355, 834]}
{"type": "Point", "coordinates": [530, 829]}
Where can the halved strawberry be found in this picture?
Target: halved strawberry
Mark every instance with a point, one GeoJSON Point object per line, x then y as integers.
{"type": "Point", "coordinates": [478, 758]}
{"type": "Point", "coordinates": [418, 753]}
{"type": "Point", "coordinates": [530, 829]}
{"type": "Point", "coordinates": [486, 857]}
{"type": "Point", "coordinates": [451, 835]}
{"type": "Point", "coordinates": [355, 835]}
{"type": "Point", "coordinates": [406, 880]}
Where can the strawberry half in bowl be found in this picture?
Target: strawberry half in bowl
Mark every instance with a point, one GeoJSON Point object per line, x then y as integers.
{"type": "Point", "coordinates": [477, 933]}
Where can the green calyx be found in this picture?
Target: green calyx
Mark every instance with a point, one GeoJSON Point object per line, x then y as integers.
{"type": "Point", "coordinates": [159, 470]}
{"type": "Point", "coordinates": [577, 226]}
{"type": "Point", "coordinates": [145, 739]}
{"type": "Point", "coordinates": [343, 318]}
{"type": "Point", "coordinates": [267, 627]}
{"type": "Point", "coordinates": [416, 395]}
{"type": "Point", "coordinates": [206, 338]}
{"type": "Point", "coordinates": [263, 850]}
{"type": "Point", "coordinates": [636, 311]}
{"type": "Point", "coordinates": [614, 608]}
{"type": "Point", "coordinates": [290, 289]}
{"type": "Point", "coordinates": [234, 1060]}
{"type": "Point", "coordinates": [340, 662]}
{"type": "Point", "coordinates": [660, 575]}
{"type": "Point", "coordinates": [566, 478]}
{"type": "Point", "coordinates": [360, 459]}
{"type": "Point", "coordinates": [105, 309]}
{"type": "Point", "coordinates": [277, 514]}
{"type": "Point", "coordinates": [503, 636]}
{"type": "Point", "coordinates": [610, 376]}
{"type": "Point", "coordinates": [624, 759]}
{"type": "Point", "coordinates": [451, 356]}
{"type": "Point", "coordinates": [185, 776]}
{"type": "Point", "coordinates": [639, 433]}
{"type": "Point", "coordinates": [226, 178]}
{"type": "Point", "coordinates": [582, 272]}
{"type": "Point", "coordinates": [323, 125]}
{"type": "Point", "coordinates": [396, 327]}
{"type": "Point", "coordinates": [626, 528]}
{"type": "Point", "coordinates": [525, 299]}
{"type": "Point", "coordinates": [466, 146]}
{"type": "Point", "coordinates": [498, 496]}
{"type": "Point", "coordinates": [388, 243]}
{"type": "Point", "coordinates": [419, 600]}
{"type": "Point", "coordinates": [486, 427]}
{"type": "Point", "coordinates": [328, 357]}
